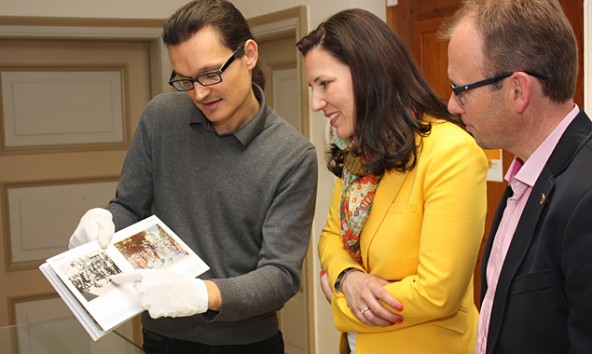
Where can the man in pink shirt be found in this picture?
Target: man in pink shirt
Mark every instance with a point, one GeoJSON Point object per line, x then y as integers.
{"type": "Point", "coordinates": [513, 68]}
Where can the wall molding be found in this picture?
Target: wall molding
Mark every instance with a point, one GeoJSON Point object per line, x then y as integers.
{"type": "Point", "coordinates": [148, 30]}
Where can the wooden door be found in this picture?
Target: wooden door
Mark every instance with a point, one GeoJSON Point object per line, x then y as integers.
{"type": "Point", "coordinates": [69, 105]}
{"type": "Point", "coordinates": [417, 22]}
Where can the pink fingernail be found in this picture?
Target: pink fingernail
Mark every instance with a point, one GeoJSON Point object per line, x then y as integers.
{"type": "Point", "coordinates": [399, 307]}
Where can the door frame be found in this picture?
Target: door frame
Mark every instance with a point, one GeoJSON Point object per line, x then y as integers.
{"type": "Point", "coordinates": [293, 21]}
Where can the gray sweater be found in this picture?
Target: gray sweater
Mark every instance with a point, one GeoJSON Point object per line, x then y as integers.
{"type": "Point", "coordinates": [244, 202]}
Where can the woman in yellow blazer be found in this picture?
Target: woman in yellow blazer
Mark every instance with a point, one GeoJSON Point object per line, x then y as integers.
{"type": "Point", "coordinates": [408, 209]}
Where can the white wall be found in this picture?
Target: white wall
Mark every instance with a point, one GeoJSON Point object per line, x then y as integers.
{"type": "Point", "coordinates": [326, 334]}
{"type": "Point", "coordinates": [318, 10]}
{"type": "Point", "coordinates": [152, 9]}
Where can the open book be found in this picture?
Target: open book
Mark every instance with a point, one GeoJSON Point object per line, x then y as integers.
{"type": "Point", "coordinates": [82, 276]}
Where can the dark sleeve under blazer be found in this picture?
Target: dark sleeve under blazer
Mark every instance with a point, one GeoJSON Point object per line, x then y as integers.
{"type": "Point", "coordinates": [543, 301]}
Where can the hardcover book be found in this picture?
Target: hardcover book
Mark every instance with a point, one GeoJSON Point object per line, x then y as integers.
{"type": "Point", "coordinates": [82, 275]}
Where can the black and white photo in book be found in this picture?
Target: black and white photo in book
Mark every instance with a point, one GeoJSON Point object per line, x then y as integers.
{"type": "Point", "coordinates": [91, 274]}
{"type": "Point", "coordinates": [82, 275]}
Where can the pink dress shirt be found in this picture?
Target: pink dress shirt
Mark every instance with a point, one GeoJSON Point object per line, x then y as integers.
{"type": "Point", "coordinates": [521, 177]}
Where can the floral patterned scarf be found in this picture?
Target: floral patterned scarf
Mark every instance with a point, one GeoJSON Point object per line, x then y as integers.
{"type": "Point", "coordinates": [359, 187]}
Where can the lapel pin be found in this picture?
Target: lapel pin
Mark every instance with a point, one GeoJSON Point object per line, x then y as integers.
{"type": "Point", "coordinates": [543, 199]}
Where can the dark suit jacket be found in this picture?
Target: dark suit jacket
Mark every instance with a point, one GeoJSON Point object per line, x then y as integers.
{"type": "Point", "coordinates": [543, 301]}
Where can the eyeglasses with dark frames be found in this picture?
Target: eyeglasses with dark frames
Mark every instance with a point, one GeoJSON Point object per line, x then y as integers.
{"type": "Point", "coordinates": [206, 79]}
{"type": "Point", "coordinates": [462, 88]}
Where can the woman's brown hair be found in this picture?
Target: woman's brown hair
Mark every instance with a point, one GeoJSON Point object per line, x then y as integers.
{"type": "Point", "coordinates": [390, 93]}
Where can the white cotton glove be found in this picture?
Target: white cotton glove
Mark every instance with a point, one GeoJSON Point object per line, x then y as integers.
{"type": "Point", "coordinates": [167, 294]}
{"type": "Point", "coordinates": [96, 224]}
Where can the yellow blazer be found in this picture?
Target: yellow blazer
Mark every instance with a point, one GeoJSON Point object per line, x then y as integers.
{"type": "Point", "coordinates": [423, 234]}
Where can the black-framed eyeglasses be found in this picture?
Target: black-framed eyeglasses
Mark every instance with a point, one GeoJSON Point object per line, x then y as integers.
{"type": "Point", "coordinates": [206, 79]}
{"type": "Point", "coordinates": [462, 88]}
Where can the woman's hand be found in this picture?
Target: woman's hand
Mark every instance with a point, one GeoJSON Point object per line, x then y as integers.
{"type": "Point", "coordinates": [326, 286]}
{"type": "Point", "coordinates": [366, 296]}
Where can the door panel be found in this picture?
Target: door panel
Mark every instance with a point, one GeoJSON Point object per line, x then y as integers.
{"type": "Point", "coordinates": [68, 110]}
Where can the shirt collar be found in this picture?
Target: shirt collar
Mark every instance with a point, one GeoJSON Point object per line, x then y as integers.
{"type": "Point", "coordinates": [249, 131]}
{"type": "Point", "coordinates": [528, 172]}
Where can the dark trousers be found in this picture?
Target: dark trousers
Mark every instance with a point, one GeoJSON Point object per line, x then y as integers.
{"type": "Point", "coordinates": [156, 344]}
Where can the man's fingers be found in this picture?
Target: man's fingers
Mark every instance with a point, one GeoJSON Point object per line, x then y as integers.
{"type": "Point", "coordinates": [105, 233]}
